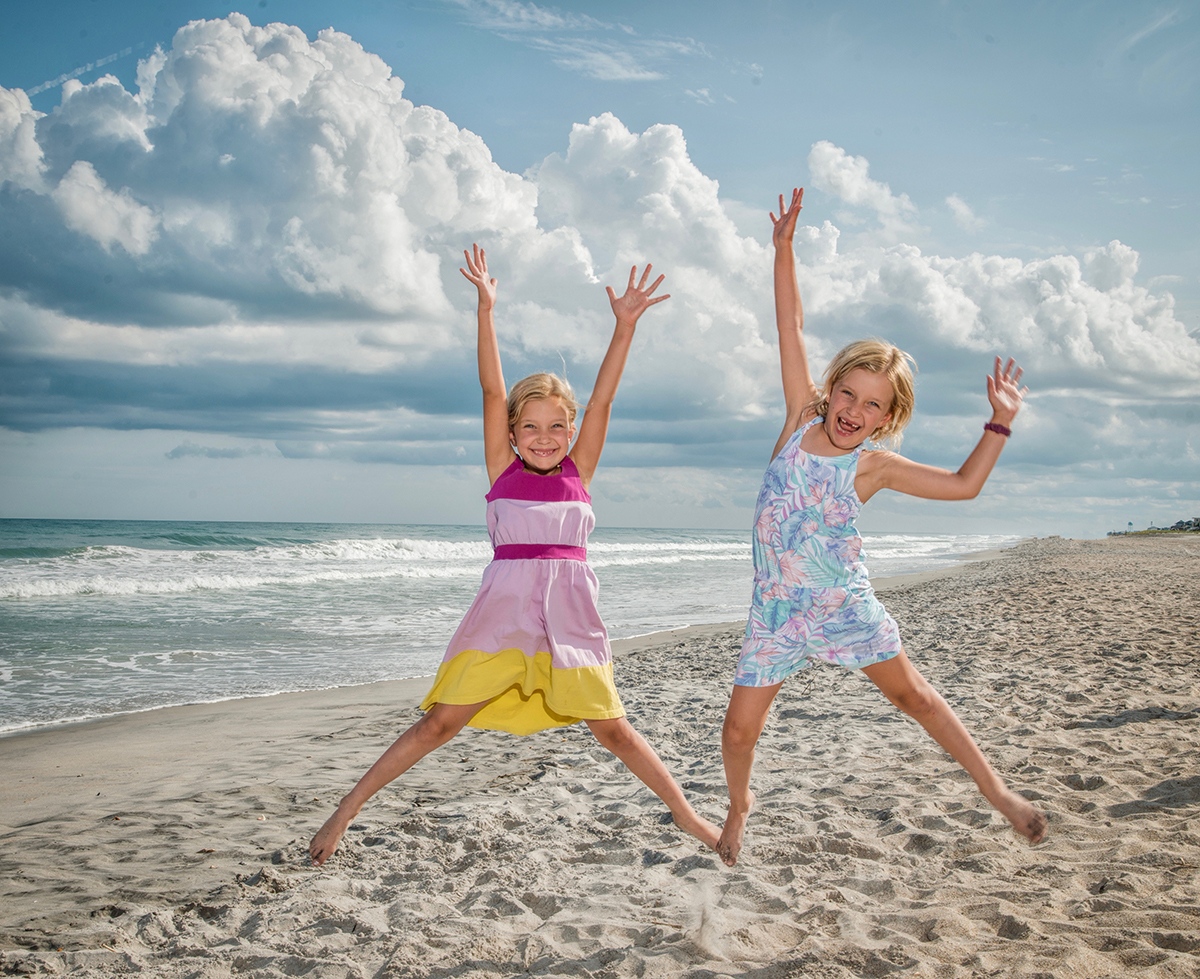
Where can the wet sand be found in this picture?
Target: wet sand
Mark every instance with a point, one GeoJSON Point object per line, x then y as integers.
{"type": "Point", "coordinates": [172, 843]}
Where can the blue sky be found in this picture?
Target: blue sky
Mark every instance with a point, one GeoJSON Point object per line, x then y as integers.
{"type": "Point", "coordinates": [228, 286]}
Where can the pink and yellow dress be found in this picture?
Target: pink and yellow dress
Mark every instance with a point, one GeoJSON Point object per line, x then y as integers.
{"type": "Point", "coordinates": [532, 644]}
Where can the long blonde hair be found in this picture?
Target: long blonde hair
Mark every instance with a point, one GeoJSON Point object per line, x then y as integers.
{"type": "Point", "coordinates": [537, 387]}
{"type": "Point", "coordinates": [878, 357]}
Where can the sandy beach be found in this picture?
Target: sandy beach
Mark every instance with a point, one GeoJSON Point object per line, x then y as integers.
{"type": "Point", "coordinates": [172, 843]}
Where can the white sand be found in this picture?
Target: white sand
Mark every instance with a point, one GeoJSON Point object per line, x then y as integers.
{"type": "Point", "coordinates": [172, 843]}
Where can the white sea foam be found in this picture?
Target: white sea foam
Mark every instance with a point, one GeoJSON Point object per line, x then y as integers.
{"type": "Point", "coordinates": [378, 549]}
{"type": "Point", "coordinates": [102, 585]}
{"type": "Point", "coordinates": [633, 562]}
{"type": "Point", "coordinates": [122, 570]}
{"type": "Point", "coordinates": [667, 546]}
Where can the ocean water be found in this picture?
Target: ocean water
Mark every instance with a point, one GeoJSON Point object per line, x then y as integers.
{"type": "Point", "coordinates": [100, 617]}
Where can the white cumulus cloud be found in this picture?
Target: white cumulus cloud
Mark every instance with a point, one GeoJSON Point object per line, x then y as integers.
{"type": "Point", "coordinates": [964, 216]}
{"type": "Point", "coordinates": [21, 163]}
{"type": "Point", "coordinates": [90, 207]}
{"type": "Point", "coordinates": [848, 177]}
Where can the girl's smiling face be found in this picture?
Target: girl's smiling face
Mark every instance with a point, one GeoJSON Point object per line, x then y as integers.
{"type": "Point", "coordinates": [543, 433]}
{"type": "Point", "coordinates": [860, 402]}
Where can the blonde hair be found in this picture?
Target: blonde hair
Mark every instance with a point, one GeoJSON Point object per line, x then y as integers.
{"type": "Point", "coordinates": [878, 357]}
{"type": "Point", "coordinates": [537, 387]}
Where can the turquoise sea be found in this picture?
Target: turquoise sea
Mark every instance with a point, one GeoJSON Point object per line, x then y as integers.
{"type": "Point", "coordinates": [103, 616]}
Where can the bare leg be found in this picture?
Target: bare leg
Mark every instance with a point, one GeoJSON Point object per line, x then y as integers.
{"type": "Point", "coordinates": [619, 737]}
{"type": "Point", "coordinates": [744, 722]}
{"type": "Point", "coordinates": [438, 726]}
{"type": "Point", "coordinates": [904, 686]}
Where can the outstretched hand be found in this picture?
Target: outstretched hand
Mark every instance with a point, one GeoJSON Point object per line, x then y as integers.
{"type": "Point", "coordinates": [785, 224]}
{"type": "Point", "coordinates": [478, 275]}
{"type": "Point", "coordinates": [637, 298]}
{"type": "Point", "coordinates": [1003, 391]}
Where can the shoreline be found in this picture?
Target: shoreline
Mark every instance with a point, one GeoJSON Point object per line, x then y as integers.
{"type": "Point", "coordinates": [172, 842]}
{"type": "Point", "coordinates": [619, 646]}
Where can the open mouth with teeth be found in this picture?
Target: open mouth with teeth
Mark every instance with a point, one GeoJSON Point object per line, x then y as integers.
{"type": "Point", "coordinates": [845, 428]}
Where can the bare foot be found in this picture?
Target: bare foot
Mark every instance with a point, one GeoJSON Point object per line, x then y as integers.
{"type": "Point", "coordinates": [1026, 820]}
{"type": "Point", "coordinates": [698, 827]}
{"type": "Point", "coordinates": [325, 843]}
{"type": "Point", "coordinates": [733, 833]}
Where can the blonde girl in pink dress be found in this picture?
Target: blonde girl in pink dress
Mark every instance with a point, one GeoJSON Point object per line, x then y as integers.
{"type": "Point", "coordinates": [532, 652]}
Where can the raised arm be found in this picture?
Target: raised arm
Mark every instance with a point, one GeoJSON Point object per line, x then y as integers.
{"type": "Point", "coordinates": [799, 388]}
{"type": "Point", "coordinates": [886, 470]}
{"type": "Point", "coordinates": [594, 429]}
{"type": "Point", "coordinates": [497, 449]}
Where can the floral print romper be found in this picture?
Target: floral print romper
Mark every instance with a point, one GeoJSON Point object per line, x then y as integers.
{"type": "Point", "coordinates": [812, 598]}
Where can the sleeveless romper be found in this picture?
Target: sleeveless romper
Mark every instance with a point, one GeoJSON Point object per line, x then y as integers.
{"type": "Point", "coordinates": [812, 597]}
{"type": "Point", "coordinates": [532, 643]}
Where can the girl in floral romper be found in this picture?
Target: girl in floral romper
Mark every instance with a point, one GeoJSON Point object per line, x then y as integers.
{"type": "Point", "coordinates": [812, 599]}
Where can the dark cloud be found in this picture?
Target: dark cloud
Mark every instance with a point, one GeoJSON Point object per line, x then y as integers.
{"type": "Point", "coordinates": [254, 400]}
{"type": "Point", "coordinates": [186, 449]}
{"type": "Point", "coordinates": [441, 453]}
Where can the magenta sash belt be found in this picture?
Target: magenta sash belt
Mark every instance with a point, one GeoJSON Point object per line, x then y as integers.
{"type": "Point", "coordinates": [539, 552]}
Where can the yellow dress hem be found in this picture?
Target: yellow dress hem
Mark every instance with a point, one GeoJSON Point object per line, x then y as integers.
{"type": "Point", "coordinates": [523, 694]}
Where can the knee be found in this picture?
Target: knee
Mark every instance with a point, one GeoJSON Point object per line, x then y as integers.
{"type": "Point", "coordinates": [737, 736]}
{"type": "Point", "coordinates": [616, 734]}
{"type": "Point", "coordinates": [437, 727]}
{"type": "Point", "coordinates": [917, 700]}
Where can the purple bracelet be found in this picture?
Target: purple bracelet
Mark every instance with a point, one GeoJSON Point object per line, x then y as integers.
{"type": "Point", "coordinates": [998, 429]}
